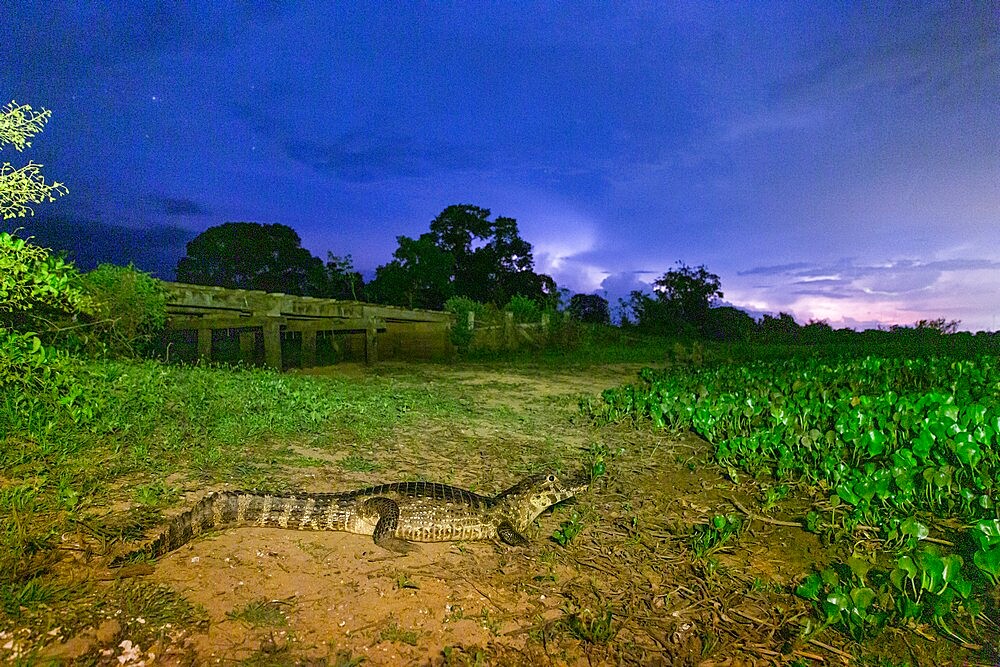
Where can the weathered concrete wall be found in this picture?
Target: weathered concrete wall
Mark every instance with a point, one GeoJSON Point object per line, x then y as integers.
{"type": "Point", "coordinates": [283, 331]}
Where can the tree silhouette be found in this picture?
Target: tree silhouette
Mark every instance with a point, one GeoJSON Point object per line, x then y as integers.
{"type": "Point", "coordinates": [464, 254]}
{"type": "Point", "coordinates": [250, 255]}
{"type": "Point", "coordinates": [681, 302]}
{"type": "Point", "coordinates": [589, 308]}
{"type": "Point", "coordinates": [419, 276]}
{"type": "Point", "coordinates": [344, 282]}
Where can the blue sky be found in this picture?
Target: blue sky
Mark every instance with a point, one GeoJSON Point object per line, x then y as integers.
{"type": "Point", "coordinates": [831, 160]}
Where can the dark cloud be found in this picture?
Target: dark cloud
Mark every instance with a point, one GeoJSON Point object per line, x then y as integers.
{"type": "Point", "coordinates": [358, 157]}
{"type": "Point", "coordinates": [179, 206]}
{"type": "Point", "coordinates": [89, 243]}
{"type": "Point", "coordinates": [778, 269]}
{"type": "Point", "coordinates": [846, 278]}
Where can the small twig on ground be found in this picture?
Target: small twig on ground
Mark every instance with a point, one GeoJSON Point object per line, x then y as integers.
{"type": "Point", "coordinates": [836, 651]}
{"type": "Point", "coordinates": [764, 519]}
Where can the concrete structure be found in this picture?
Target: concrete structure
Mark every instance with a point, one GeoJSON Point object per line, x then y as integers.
{"type": "Point", "coordinates": [279, 330]}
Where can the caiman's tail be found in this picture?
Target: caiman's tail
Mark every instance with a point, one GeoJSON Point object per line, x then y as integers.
{"type": "Point", "coordinates": [212, 511]}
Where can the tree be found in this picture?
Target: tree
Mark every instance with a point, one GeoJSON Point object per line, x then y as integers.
{"type": "Point", "coordinates": [24, 186]}
{"type": "Point", "coordinates": [344, 282]}
{"type": "Point", "coordinates": [419, 276]}
{"type": "Point", "coordinates": [780, 329]}
{"type": "Point", "coordinates": [727, 323]}
{"type": "Point", "coordinates": [689, 292]}
{"type": "Point", "coordinates": [590, 308]}
{"type": "Point", "coordinates": [681, 302]}
{"type": "Point", "coordinates": [489, 263]}
{"type": "Point", "coordinates": [250, 255]}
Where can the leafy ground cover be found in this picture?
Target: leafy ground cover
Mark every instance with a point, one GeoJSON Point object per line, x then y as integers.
{"type": "Point", "coordinates": [665, 560]}
{"type": "Point", "coordinates": [903, 454]}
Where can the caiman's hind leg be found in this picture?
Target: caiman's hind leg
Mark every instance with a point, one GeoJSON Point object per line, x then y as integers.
{"type": "Point", "coordinates": [387, 512]}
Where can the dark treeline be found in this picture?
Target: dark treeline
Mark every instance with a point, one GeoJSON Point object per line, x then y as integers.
{"type": "Point", "coordinates": [464, 254]}
{"type": "Point", "coordinates": [467, 256]}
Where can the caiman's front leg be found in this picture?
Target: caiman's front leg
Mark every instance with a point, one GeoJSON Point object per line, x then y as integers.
{"type": "Point", "coordinates": [388, 520]}
{"type": "Point", "coordinates": [511, 536]}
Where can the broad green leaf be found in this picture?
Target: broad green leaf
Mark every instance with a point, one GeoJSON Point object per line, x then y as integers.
{"type": "Point", "coordinates": [862, 597]}
{"type": "Point", "coordinates": [987, 532]}
{"type": "Point", "coordinates": [810, 587]}
{"type": "Point", "coordinates": [874, 441]}
{"type": "Point", "coordinates": [952, 567]}
{"type": "Point", "coordinates": [968, 452]}
{"type": "Point", "coordinates": [914, 528]}
{"type": "Point", "coordinates": [859, 566]}
{"type": "Point", "coordinates": [834, 605]}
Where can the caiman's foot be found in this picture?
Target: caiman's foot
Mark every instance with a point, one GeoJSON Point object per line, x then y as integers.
{"type": "Point", "coordinates": [510, 536]}
{"type": "Point", "coordinates": [397, 545]}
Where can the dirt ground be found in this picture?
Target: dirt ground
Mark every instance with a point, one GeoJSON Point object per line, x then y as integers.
{"type": "Point", "coordinates": [626, 590]}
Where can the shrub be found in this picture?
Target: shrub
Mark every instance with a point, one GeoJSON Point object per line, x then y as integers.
{"type": "Point", "coordinates": [525, 310]}
{"type": "Point", "coordinates": [129, 309]}
{"type": "Point", "coordinates": [38, 293]}
{"type": "Point", "coordinates": [26, 364]}
{"type": "Point", "coordinates": [461, 334]}
{"type": "Point", "coordinates": [36, 288]}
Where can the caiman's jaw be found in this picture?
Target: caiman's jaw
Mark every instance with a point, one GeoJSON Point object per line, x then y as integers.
{"type": "Point", "coordinates": [536, 494]}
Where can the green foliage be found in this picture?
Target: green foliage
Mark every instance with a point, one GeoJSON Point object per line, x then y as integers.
{"type": "Point", "coordinates": [20, 187]}
{"type": "Point", "coordinates": [924, 585]}
{"type": "Point", "coordinates": [591, 627]}
{"type": "Point", "coordinates": [589, 308]}
{"type": "Point", "coordinates": [35, 286]}
{"type": "Point", "coordinates": [28, 366]}
{"type": "Point", "coordinates": [463, 254]}
{"type": "Point", "coordinates": [419, 276]}
{"type": "Point", "coordinates": [726, 323]}
{"type": "Point", "coordinates": [987, 557]}
{"type": "Point", "coordinates": [525, 310]}
{"type": "Point", "coordinates": [716, 534]}
{"type": "Point", "coordinates": [250, 255]}
{"type": "Point", "coordinates": [129, 308]}
{"type": "Point", "coordinates": [568, 530]}
{"type": "Point", "coordinates": [461, 333]}
{"type": "Point", "coordinates": [890, 440]}
{"type": "Point", "coordinates": [680, 304]}
{"type": "Point", "coordinates": [37, 291]}
{"type": "Point", "coordinates": [849, 604]}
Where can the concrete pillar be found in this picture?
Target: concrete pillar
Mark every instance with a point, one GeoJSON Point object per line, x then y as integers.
{"type": "Point", "coordinates": [509, 332]}
{"type": "Point", "coordinates": [205, 344]}
{"type": "Point", "coordinates": [371, 341]}
{"type": "Point", "coordinates": [272, 345]}
{"type": "Point", "coordinates": [248, 347]}
{"type": "Point", "coordinates": [308, 348]}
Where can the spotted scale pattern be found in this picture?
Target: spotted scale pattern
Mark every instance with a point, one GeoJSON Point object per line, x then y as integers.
{"type": "Point", "coordinates": [393, 514]}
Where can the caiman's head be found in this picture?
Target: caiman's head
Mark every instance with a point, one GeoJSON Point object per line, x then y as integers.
{"type": "Point", "coordinates": [524, 501]}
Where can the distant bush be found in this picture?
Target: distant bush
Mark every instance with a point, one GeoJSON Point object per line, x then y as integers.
{"type": "Point", "coordinates": [525, 310]}
{"type": "Point", "coordinates": [461, 334]}
{"type": "Point", "coordinates": [129, 309]}
{"type": "Point", "coordinates": [590, 308]}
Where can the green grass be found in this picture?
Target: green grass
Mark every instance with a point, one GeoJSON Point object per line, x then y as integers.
{"type": "Point", "coordinates": [393, 633]}
{"type": "Point", "coordinates": [139, 432]}
{"type": "Point", "coordinates": [270, 613]}
{"type": "Point", "coordinates": [357, 463]}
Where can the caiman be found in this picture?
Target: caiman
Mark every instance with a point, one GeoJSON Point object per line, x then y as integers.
{"type": "Point", "coordinates": [395, 515]}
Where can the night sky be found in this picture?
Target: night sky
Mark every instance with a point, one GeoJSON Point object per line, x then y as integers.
{"type": "Point", "coordinates": [831, 160]}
